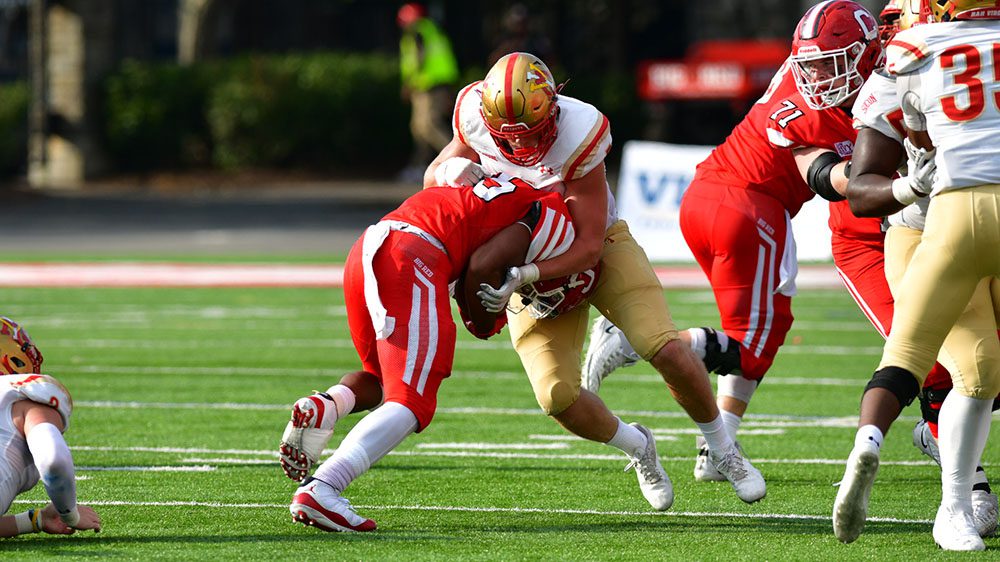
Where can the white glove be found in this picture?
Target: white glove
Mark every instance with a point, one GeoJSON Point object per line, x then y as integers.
{"type": "Point", "coordinates": [921, 171]}
{"type": "Point", "coordinates": [495, 299]}
{"type": "Point", "coordinates": [458, 172]}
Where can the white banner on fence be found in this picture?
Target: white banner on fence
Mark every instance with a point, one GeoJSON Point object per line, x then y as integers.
{"type": "Point", "coordinates": [652, 180]}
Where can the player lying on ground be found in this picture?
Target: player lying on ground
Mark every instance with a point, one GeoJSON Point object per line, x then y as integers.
{"type": "Point", "coordinates": [34, 411]}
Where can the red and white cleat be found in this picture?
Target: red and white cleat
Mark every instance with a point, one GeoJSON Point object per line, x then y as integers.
{"type": "Point", "coordinates": [307, 434]}
{"type": "Point", "coordinates": [318, 505]}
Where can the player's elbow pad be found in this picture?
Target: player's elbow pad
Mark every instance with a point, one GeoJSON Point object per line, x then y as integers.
{"type": "Point", "coordinates": [818, 176]}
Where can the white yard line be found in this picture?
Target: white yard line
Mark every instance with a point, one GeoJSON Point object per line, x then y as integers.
{"type": "Point", "coordinates": [470, 509]}
{"type": "Point", "coordinates": [473, 450]}
{"type": "Point", "coordinates": [626, 375]}
{"type": "Point", "coordinates": [146, 274]}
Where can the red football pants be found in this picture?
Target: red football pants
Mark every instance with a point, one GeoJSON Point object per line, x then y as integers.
{"type": "Point", "coordinates": [412, 277]}
{"type": "Point", "coordinates": [738, 238]}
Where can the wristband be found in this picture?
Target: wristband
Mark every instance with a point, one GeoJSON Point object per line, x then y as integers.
{"type": "Point", "coordinates": [529, 273]}
{"type": "Point", "coordinates": [27, 522]}
{"type": "Point", "coordinates": [902, 191]}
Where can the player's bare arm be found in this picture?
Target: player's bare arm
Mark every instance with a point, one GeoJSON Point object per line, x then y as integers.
{"type": "Point", "coordinates": [587, 200]}
{"type": "Point", "coordinates": [455, 149]}
{"type": "Point", "coordinates": [876, 159]}
{"type": "Point", "coordinates": [489, 264]}
{"type": "Point", "coordinates": [823, 171]}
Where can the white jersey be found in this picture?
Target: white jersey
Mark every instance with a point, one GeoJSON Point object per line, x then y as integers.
{"type": "Point", "coordinates": [947, 72]}
{"type": "Point", "coordinates": [17, 469]}
{"type": "Point", "coordinates": [583, 139]}
{"type": "Point", "coordinates": [877, 107]}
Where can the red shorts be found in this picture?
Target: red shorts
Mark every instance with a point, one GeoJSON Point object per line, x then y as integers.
{"type": "Point", "coordinates": [738, 238]}
{"type": "Point", "coordinates": [412, 361]}
{"type": "Point", "coordinates": [861, 265]}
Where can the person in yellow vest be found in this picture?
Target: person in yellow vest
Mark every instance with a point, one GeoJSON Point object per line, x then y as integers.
{"type": "Point", "coordinates": [428, 67]}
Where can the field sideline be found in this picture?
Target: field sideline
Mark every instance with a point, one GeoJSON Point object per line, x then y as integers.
{"type": "Point", "coordinates": [182, 392]}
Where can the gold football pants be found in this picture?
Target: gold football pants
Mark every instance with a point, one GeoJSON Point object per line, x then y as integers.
{"type": "Point", "coordinates": [627, 293]}
{"type": "Point", "coordinates": [947, 284]}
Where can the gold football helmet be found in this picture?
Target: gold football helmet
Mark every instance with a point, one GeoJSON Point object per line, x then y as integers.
{"type": "Point", "coordinates": [18, 354]}
{"type": "Point", "coordinates": [950, 10]}
{"type": "Point", "coordinates": [519, 107]}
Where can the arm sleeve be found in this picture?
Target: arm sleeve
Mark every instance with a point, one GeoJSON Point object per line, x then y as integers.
{"type": "Point", "coordinates": [909, 101]}
{"type": "Point", "coordinates": [55, 466]}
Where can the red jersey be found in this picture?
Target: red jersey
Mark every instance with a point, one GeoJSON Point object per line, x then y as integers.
{"type": "Point", "coordinates": [464, 218]}
{"type": "Point", "coordinates": [757, 155]}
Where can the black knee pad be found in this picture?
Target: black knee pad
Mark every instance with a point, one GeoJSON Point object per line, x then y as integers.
{"type": "Point", "coordinates": [898, 381]}
{"type": "Point", "coordinates": [718, 361]}
{"type": "Point", "coordinates": [930, 403]}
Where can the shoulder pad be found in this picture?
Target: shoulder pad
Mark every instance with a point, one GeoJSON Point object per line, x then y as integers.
{"type": "Point", "coordinates": [44, 389]}
{"type": "Point", "coordinates": [907, 52]}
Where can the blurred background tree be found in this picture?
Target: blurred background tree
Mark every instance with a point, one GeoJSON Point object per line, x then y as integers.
{"type": "Point", "coordinates": [313, 84]}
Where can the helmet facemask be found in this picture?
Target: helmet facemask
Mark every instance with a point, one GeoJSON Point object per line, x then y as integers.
{"type": "Point", "coordinates": [513, 139]}
{"type": "Point", "coordinates": [18, 354]}
{"type": "Point", "coordinates": [828, 78]}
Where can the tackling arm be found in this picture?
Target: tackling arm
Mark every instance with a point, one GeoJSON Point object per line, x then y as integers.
{"type": "Point", "coordinates": [587, 200]}
{"type": "Point", "coordinates": [455, 149]}
{"type": "Point", "coordinates": [876, 159]}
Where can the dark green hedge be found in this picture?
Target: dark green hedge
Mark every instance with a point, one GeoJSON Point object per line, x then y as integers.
{"type": "Point", "coordinates": [14, 100]}
{"type": "Point", "coordinates": [326, 111]}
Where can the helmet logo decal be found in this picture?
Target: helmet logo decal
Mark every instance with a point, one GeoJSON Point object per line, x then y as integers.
{"type": "Point", "coordinates": [538, 79]}
{"type": "Point", "coordinates": [867, 23]}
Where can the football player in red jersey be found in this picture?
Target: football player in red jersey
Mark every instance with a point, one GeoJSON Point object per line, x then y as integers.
{"type": "Point", "coordinates": [736, 214]}
{"type": "Point", "coordinates": [516, 121]}
{"type": "Point", "coordinates": [37, 409]}
{"type": "Point", "coordinates": [396, 286]}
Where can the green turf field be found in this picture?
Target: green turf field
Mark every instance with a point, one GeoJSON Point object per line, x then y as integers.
{"type": "Point", "coordinates": [182, 395]}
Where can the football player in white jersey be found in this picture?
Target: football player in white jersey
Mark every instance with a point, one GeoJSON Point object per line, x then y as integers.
{"type": "Point", "coordinates": [946, 82]}
{"type": "Point", "coordinates": [873, 192]}
{"type": "Point", "coordinates": [34, 411]}
{"type": "Point", "coordinates": [515, 121]}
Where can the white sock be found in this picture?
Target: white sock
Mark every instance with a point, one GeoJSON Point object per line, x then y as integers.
{"type": "Point", "coordinates": [869, 434]}
{"type": "Point", "coordinates": [344, 398]}
{"type": "Point", "coordinates": [371, 439]}
{"type": "Point", "coordinates": [963, 426]}
{"type": "Point", "coordinates": [731, 421]}
{"type": "Point", "coordinates": [716, 435]}
{"type": "Point", "coordinates": [697, 342]}
{"type": "Point", "coordinates": [630, 440]}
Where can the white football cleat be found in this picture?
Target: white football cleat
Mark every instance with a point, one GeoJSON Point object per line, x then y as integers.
{"type": "Point", "coordinates": [850, 509]}
{"type": "Point", "coordinates": [985, 512]}
{"type": "Point", "coordinates": [317, 504]}
{"type": "Point", "coordinates": [704, 470]}
{"type": "Point", "coordinates": [745, 478]}
{"type": "Point", "coordinates": [653, 480]}
{"type": "Point", "coordinates": [924, 440]}
{"type": "Point", "coordinates": [608, 350]}
{"type": "Point", "coordinates": [955, 530]}
{"type": "Point", "coordinates": [307, 434]}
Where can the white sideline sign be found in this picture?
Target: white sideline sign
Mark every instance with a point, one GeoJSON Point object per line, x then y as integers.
{"type": "Point", "coordinates": [652, 180]}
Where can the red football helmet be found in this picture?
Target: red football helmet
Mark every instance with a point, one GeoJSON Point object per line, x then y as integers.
{"type": "Point", "coordinates": [552, 297]}
{"type": "Point", "coordinates": [835, 49]}
{"type": "Point", "coordinates": [889, 21]}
